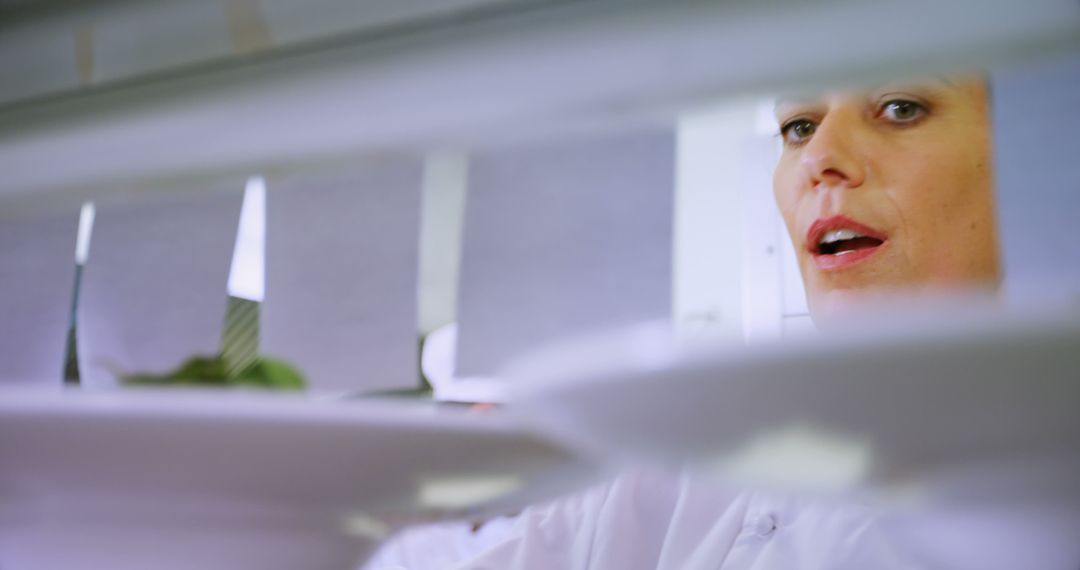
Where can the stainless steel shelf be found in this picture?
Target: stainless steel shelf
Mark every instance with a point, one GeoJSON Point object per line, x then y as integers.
{"type": "Point", "coordinates": [562, 65]}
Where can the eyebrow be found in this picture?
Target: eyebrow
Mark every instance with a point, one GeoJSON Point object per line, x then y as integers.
{"type": "Point", "coordinates": [792, 101]}
{"type": "Point", "coordinates": [918, 81]}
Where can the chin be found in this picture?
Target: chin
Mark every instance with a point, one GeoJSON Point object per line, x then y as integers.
{"type": "Point", "coordinates": [832, 304]}
{"type": "Point", "coordinates": [829, 307]}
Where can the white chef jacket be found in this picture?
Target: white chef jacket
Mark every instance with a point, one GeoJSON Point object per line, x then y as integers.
{"type": "Point", "coordinates": [437, 545]}
{"type": "Point", "coordinates": [655, 520]}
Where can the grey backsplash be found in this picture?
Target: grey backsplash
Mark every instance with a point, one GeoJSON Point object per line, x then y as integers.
{"type": "Point", "coordinates": [1037, 140]}
{"type": "Point", "coordinates": [564, 237]}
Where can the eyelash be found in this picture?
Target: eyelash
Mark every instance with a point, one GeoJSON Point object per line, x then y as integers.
{"type": "Point", "coordinates": [921, 111]}
{"type": "Point", "coordinates": [786, 128]}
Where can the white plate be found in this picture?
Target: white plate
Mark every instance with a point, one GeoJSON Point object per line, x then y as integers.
{"type": "Point", "coordinates": [186, 479]}
{"type": "Point", "coordinates": [872, 405]}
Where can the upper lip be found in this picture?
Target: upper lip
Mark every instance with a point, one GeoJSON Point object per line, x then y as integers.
{"type": "Point", "coordinates": [821, 226]}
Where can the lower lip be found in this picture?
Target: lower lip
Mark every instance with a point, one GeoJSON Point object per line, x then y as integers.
{"type": "Point", "coordinates": [838, 262]}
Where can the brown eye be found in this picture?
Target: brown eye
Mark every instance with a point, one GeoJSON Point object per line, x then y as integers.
{"type": "Point", "coordinates": [902, 111]}
{"type": "Point", "coordinates": [797, 131]}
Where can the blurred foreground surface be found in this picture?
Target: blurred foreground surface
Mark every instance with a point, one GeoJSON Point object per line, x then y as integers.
{"type": "Point", "coordinates": [487, 177]}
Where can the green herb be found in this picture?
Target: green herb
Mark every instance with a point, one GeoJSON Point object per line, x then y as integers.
{"type": "Point", "coordinates": [267, 373]}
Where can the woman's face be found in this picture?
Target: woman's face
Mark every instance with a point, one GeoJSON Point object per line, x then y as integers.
{"type": "Point", "coordinates": [889, 189]}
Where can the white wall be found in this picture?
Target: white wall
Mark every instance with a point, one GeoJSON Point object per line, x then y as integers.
{"type": "Point", "coordinates": [735, 274]}
{"type": "Point", "coordinates": [709, 217]}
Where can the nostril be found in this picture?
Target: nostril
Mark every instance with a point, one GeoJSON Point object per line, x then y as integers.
{"type": "Point", "coordinates": [832, 175]}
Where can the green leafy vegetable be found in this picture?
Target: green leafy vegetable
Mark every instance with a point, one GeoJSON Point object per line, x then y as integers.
{"type": "Point", "coordinates": [207, 371]}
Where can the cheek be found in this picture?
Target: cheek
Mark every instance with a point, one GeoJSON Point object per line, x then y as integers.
{"type": "Point", "coordinates": [934, 200]}
{"type": "Point", "coordinates": [797, 210]}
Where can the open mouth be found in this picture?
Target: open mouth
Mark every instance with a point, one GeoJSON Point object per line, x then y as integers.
{"type": "Point", "coordinates": [845, 241]}
{"type": "Point", "coordinates": [839, 242]}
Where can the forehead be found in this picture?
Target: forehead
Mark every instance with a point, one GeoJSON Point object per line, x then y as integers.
{"type": "Point", "coordinates": [967, 86]}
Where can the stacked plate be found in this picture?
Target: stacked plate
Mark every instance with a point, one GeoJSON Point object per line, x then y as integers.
{"type": "Point", "coordinates": [180, 479]}
{"type": "Point", "coordinates": [896, 399]}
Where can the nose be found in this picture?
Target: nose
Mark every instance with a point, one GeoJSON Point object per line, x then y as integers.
{"type": "Point", "coordinates": [830, 159]}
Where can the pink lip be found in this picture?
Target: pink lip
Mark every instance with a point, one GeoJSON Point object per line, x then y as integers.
{"type": "Point", "coordinates": [836, 262]}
